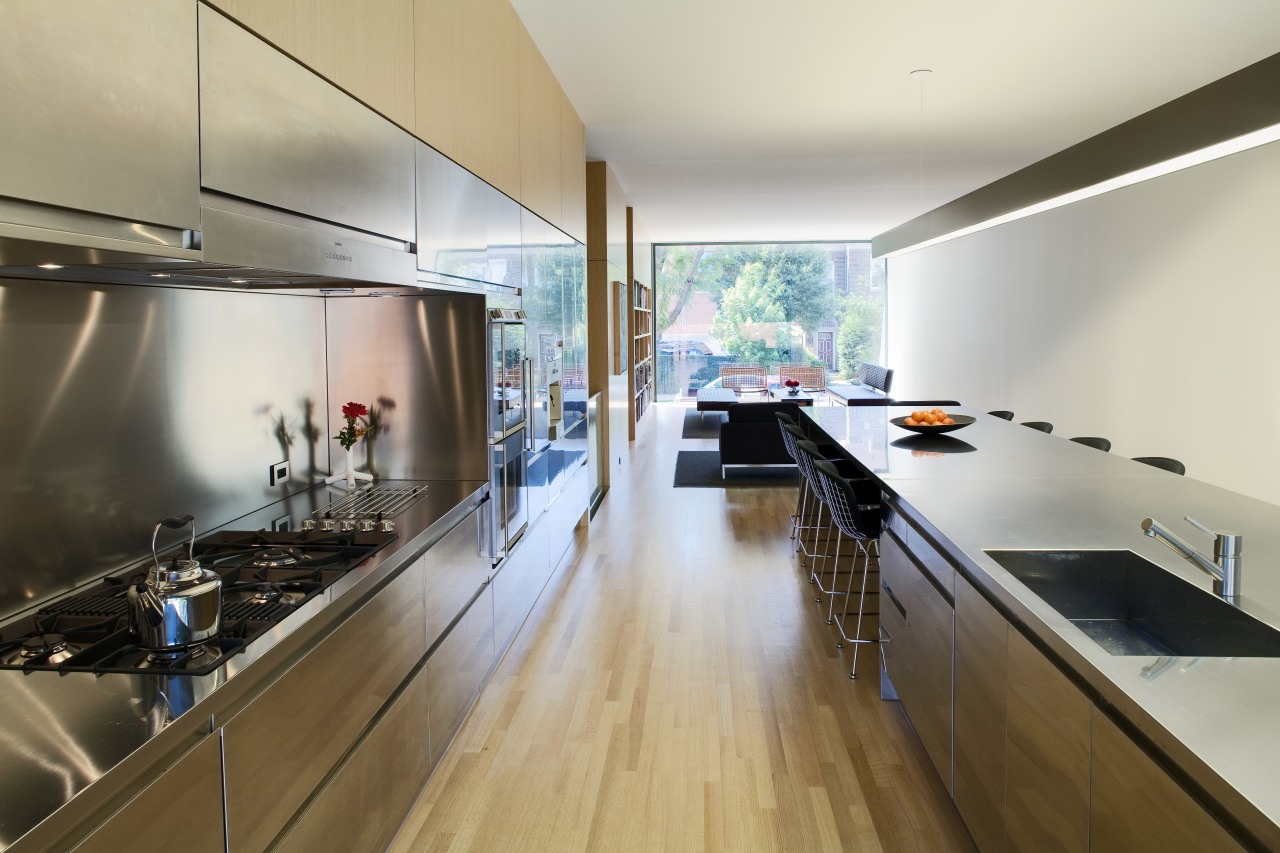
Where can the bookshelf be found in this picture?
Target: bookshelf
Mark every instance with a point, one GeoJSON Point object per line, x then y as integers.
{"type": "Point", "coordinates": [641, 351]}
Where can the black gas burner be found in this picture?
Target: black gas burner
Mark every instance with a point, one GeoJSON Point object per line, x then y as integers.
{"type": "Point", "coordinates": [265, 575]}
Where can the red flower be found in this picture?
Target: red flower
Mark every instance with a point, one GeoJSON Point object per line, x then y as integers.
{"type": "Point", "coordinates": [792, 383]}
{"type": "Point", "coordinates": [353, 432]}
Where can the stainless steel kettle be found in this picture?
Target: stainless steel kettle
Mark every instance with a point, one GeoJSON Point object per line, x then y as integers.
{"type": "Point", "coordinates": [179, 605]}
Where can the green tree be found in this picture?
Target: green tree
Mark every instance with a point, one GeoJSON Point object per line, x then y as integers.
{"type": "Point", "coordinates": [749, 312]}
{"type": "Point", "coordinates": [779, 293]}
{"type": "Point", "coordinates": [858, 338]}
{"type": "Point", "coordinates": [678, 278]}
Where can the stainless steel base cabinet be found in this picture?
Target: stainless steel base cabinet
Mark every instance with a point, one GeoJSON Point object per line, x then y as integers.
{"type": "Point", "coordinates": [366, 801]}
{"type": "Point", "coordinates": [457, 669]}
{"type": "Point", "coordinates": [518, 584]}
{"type": "Point", "coordinates": [916, 622]}
{"type": "Point", "coordinates": [567, 509]}
{"type": "Point", "coordinates": [184, 802]}
{"type": "Point", "coordinates": [291, 736]}
{"type": "Point", "coordinates": [456, 568]}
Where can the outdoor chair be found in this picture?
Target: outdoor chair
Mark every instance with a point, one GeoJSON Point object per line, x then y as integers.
{"type": "Point", "coordinates": [744, 378]}
{"type": "Point", "coordinates": [812, 379]}
{"type": "Point", "coordinates": [875, 376]}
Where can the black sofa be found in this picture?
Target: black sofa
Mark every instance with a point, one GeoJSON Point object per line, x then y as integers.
{"type": "Point", "coordinates": [751, 435]}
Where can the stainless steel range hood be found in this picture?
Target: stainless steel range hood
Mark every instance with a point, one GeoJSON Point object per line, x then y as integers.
{"type": "Point", "coordinates": [270, 176]}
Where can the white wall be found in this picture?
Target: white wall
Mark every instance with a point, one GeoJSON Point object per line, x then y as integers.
{"type": "Point", "coordinates": [1149, 315]}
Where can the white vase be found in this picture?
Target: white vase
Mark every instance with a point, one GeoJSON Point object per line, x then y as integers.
{"type": "Point", "coordinates": [351, 468]}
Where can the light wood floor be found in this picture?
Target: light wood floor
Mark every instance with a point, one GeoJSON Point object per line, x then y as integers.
{"type": "Point", "coordinates": [676, 688]}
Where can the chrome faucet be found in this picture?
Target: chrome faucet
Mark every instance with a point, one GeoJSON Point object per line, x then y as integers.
{"type": "Point", "coordinates": [1228, 550]}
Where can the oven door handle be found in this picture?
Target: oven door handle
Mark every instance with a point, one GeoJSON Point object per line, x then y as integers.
{"type": "Point", "coordinates": [528, 404]}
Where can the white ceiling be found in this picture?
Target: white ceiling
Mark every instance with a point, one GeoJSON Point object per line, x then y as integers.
{"type": "Point", "coordinates": [798, 119]}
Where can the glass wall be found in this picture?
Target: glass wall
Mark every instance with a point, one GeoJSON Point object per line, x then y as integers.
{"type": "Point", "coordinates": [764, 303]}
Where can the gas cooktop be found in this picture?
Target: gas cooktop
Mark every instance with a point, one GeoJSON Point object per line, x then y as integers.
{"type": "Point", "coordinates": [265, 575]}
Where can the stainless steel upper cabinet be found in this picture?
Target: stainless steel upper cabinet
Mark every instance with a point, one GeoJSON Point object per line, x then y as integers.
{"type": "Point", "coordinates": [274, 132]}
{"type": "Point", "coordinates": [542, 299]}
{"type": "Point", "coordinates": [99, 106]}
{"type": "Point", "coordinates": [554, 280]}
{"type": "Point", "coordinates": [467, 230]}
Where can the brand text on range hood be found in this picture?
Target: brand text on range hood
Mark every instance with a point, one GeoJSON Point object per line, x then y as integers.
{"type": "Point", "coordinates": [267, 175]}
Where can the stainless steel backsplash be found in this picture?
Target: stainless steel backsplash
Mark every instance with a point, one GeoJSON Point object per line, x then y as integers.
{"type": "Point", "coordinates": [418, 363]}
{"type": "Point", "coordinates": [129, 404]}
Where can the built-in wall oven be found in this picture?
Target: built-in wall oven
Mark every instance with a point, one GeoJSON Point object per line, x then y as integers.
{"type": "Point", "coordinates": [510, 375]}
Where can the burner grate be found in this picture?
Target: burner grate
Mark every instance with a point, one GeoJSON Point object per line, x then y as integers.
{"type": "Point", "coordinates": [258, 611]}
{"type": "Point", "coordinates": [373, 501]}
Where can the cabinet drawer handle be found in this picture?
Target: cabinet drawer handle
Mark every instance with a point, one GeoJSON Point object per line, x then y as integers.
{"type": "Point", "coordinates": [893, 598]}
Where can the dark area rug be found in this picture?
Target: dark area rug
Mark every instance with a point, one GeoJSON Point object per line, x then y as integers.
{"type": "Point", "coordinates": [702, 424]}
{"type": "Point", "coordinates": [700, 469]}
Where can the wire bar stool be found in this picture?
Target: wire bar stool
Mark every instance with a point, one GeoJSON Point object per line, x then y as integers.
{"type": "Point", "coordinates": [858, 517]}
{"type": "Point", "coordinates": [815, 549]}
{"type": "Point", "coordinates": [791, 433]}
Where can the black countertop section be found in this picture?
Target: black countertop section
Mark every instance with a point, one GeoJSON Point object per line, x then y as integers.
{"type": "Point", "coordinates": [68, 743]}
{"type": "Point", "coordinates": [1004, 486]}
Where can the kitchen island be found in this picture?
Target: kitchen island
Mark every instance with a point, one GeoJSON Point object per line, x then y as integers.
{"type": "Point", "coordinates": [90, 761]}
{"type": "Point", "coordinates": [1207, 723]}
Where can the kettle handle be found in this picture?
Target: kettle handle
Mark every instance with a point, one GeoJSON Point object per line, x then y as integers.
{"type": "Point", "coordinates": [175, 523]}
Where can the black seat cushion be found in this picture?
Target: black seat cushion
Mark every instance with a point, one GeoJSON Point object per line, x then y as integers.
{"type": "Point", "coordinates": [750, 435]}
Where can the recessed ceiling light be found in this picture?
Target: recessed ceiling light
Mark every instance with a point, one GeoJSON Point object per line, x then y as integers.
{"type": "Point", "coordinates": [239, 281]}
{"type": "Point", "coordinates": [159, 275]}
{"type": "Point", "coordinates": [50, 266]}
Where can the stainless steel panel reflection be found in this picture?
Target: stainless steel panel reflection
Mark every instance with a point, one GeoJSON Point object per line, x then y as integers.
{"type": "Point", "coordinates": [366, 801]}
{"type": "Point", "coordinates": [100, 110]}
{"type": "Point", "coordinates": [32, 234]}
{"type": "Point", "coordinates": [456, 670]}
{"type": "Point", "coordinates": [140, 403]}
{"type": "Point", "coordinates": [456, 569]}
{"type": "Point", "coordinates": [467, 229]}
{"type": "Point", "coordinates": [61, 734]}
{"type": "Point", "coordinates": [258, 246]}
{"type": "Point", "coordinates": [184, 802]}
{"type": "Point", "coordinates": [272, 131]}
{"type": "Point", "coordinates": [518, 584]}
{"type": "Point", "coordinates": [418, 363]}
{"type": "Point", "coordinates": [279, 748]}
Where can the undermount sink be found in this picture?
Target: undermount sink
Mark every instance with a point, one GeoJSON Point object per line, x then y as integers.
{"type": "Point", "coordinates": [1130, 606]}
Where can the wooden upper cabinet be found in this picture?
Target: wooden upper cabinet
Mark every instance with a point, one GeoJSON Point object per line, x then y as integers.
{"type": "Point", "coordinates": [573, 171]}
{"type": "Point", "coordinates": [366, 48]}
{"type": "Point", "coordinates": [467, 86]}
{"type": "Point", "coordinates": [539, 133]}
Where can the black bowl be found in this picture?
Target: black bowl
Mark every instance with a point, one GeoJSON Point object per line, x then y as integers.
{"type": "Point", "coordinates": [961, 421]}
